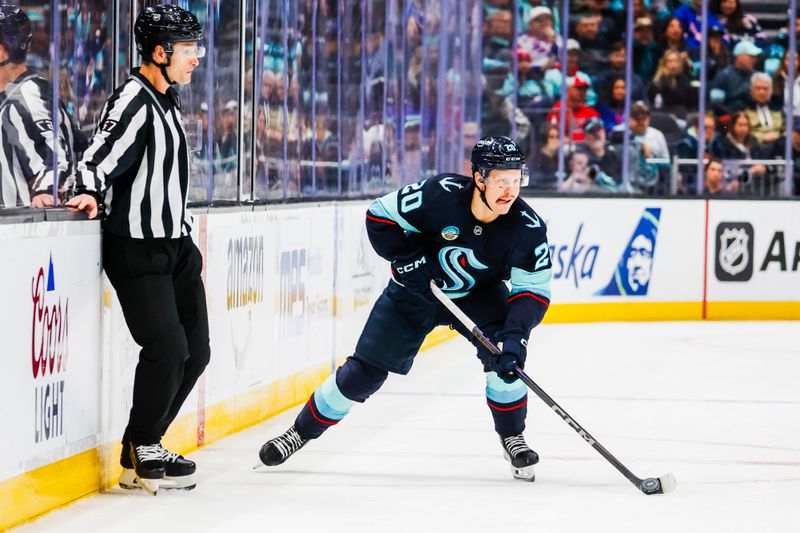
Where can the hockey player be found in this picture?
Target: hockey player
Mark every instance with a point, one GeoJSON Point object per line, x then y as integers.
{"type": "Point", "coordinates": [470, 235]}
{"type": "Point", "coordinates": [26, 123]}
{"type": "Point", "coordinates": [138, 163]}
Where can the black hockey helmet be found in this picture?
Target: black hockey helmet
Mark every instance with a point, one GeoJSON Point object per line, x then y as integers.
{"type": "Point", "coordinates": [166, 25]}
{"type": "Point", "coordinates": [498, 152]}
{"type": "Point", "coordinates": [15, 33]}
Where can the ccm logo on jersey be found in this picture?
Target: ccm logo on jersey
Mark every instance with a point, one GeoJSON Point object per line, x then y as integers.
{"type": "Point", "coordinates": [411, 266]}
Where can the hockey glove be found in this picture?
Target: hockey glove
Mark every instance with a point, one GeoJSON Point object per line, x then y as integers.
{"type": "Point", "coordinates": [514, 352]}
{"type": "Point", "coordinates": [414, 271]}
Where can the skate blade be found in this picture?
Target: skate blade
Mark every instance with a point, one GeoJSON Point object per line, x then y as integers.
{"type": "Point", "coordinates": [129, 481]}
{"type": "Point", "coordinates": [150, 485]}
{"type": "Point", "coordinates": [525, 473]}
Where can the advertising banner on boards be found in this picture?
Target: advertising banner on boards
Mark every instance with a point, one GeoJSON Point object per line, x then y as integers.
{"type": "Point", "coordinates": [50, 282]}
{"type": "Point", "coordinates": [754, 252]}
{"type": "Point", "coordinates": [610, 250]}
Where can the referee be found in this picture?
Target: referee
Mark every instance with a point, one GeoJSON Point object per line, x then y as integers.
{"type": "Point", "coordinates": [138, 166]}
{"type": "Point", "coordinates": [26, 122]}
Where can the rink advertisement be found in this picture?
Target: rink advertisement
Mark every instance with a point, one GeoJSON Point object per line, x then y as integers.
{"type": "Point", "coordinates": [753, 256]}
{"type": "Point", "coordinates": [270, 294]}
{"type": "Point", "coordinates": [288, 289]}
{"type": "Point", "coordinates": [613, 252]}
{"type": "Point", "coordinates": [50, 315]}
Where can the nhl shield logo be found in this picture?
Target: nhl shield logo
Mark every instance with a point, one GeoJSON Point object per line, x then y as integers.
{"type": "Point", "coordinates": [450, 233]}
{"type": "Point", "coordinates": [733, 254]}
{"type": "Point", "coordinates": [734, 251]}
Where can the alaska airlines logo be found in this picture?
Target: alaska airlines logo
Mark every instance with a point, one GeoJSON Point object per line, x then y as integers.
{"type": "Point", "coordinates": [454, 261]}
{"type": "Point", "coordinates": [535, 222]}
{"type": "Point", "coordinates": [575, 260]}
{"type": "Point", "coordinates": [448, 182]}
{"type": "Point", "coordinates": [635, 267]}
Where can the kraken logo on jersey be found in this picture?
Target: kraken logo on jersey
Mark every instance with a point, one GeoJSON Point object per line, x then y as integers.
{"type": "Point", "coordinates": [454, 261]}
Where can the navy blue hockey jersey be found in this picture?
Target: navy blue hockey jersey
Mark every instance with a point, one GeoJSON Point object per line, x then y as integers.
{"type": "Point", "coordinates": [434, 215]}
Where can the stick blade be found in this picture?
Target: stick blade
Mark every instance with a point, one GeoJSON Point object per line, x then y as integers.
{"type": "Point", "coordinates": [668, 483]}
{"type": "Point", "coordinates": [660, 485]}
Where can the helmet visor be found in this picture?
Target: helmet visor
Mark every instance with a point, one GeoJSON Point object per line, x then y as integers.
{"type": "Point", "coordinates": [508, 179]}
{"type": "Point", "coordinates": [191, 50]}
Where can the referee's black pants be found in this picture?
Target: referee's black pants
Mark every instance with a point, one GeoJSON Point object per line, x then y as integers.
{"type": "Point", "coordinates": [161, 293]}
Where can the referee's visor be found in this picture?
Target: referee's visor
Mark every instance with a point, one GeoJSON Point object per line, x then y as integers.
{"type": "Point", "coordinates": [196, 50]}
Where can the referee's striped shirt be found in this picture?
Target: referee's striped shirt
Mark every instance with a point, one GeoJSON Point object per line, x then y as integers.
{"type": "Point", "coordinates": [138, 162]}
{"type": "Point", "coordinates": [27, 141]}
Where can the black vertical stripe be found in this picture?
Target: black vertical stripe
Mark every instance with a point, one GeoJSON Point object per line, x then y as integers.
{"type": "Point", "coordinates": [169, 163]}
{"type": "Point", "coordinates": [144, 208]}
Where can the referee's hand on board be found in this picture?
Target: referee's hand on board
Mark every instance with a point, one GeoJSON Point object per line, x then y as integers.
{"type": "Point", "coordinates": [84, 202]}
{"type": "Point", "coordinates": [42, 200]}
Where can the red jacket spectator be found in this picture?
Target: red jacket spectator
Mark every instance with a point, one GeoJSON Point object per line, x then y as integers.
{"type": "Point", "coordinates": [578, 113]}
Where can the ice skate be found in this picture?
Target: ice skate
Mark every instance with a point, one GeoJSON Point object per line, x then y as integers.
{"type": "Point", "coordinates": [143, 467]}
{"type": "Point", "coordinates": [178, 471]}
{"type": "Point", "coordinates": [277, 450]}
{"type": "Point", "coordinates": [521, 457]}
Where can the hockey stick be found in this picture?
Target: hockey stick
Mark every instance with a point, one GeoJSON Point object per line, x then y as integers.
{"type": "Point", "coordinates": [651, 485]}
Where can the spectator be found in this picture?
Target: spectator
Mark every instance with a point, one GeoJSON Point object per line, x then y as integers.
{"type": "Point", "coordinates": [601, 10]}
{"type": "Point", "coordinates": [766, 123]}
{"type": "Point", "coordinates": [553, 76]}
{"type": "Point", "coordinates": [585, 177]}
{"type": "Point", "coordinates": [578, 179]}
{"type": "Point", "coordinates": [601, 154]}
{"type": "Point", "coordinates": [532, 96]}
{"type": "Point", "coordinates": [672, 90]}
{"type": "Point", "coordinates": [673, 38]}
{"type": "Point", "coordinates": [780, 85]}
{"type": "Point", "coordinates": [687, 148]}
{"type": "Point", "coordinates": [653, 142]}
{"type": "Point", "coordinates": [612, 104]}
{"type": "Point", "coordinates": [718, 55]}
{"type": "Point", "coordinates": [594, 46]}
{"type": "Point", "coordinates": [689, 15]}
{"type": "Point", "coordinates": [730, 88]}
{"type": "Point", "coordinates": [778, 46]}
{"type": "Point", "coordinates": [740, 144]}
{"type": "Point", "coordinates": [540, 40]}
{"type": "Point", "coordinates": [646, 142]}
{"type": "Point", "coordinates": [497, 35]}
{"type": "Point", "coordinates": [544, 163]}
{"type": "Point", "coordinates": [739, 25]}
{"type": "Point", "coordinates": [577, 113]}
{"type": "Point", "coordinates": [616, 69]}
{"type": "Point", "coordinates": [713, 183]}
{"type": "Point", "coordinates": [646, 51]}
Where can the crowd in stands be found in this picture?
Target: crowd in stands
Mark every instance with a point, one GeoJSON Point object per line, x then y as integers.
{"type": "Point", "coordinates": [745, 94]}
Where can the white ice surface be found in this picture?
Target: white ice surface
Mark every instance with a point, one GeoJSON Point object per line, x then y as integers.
{"type": "Point", "coordinates": [717, 404]}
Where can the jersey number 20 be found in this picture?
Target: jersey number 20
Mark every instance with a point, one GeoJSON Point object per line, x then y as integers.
{"type": "Point", "coordinates": [411, 197]}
